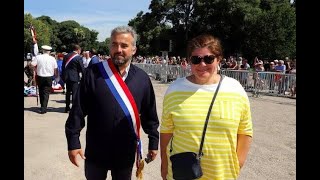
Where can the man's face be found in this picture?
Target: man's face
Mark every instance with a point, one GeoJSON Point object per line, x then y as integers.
{"type": "Point", "coordinates": [121, 49]}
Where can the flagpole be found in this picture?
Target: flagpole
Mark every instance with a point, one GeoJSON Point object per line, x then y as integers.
{"type": "Point", "coordinates": [34, 40]}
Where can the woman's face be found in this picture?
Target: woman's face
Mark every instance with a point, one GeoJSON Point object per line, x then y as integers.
{"type": "Point", "coordinates": [203, 71]}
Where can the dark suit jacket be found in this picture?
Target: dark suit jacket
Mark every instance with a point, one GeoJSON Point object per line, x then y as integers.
{"type": "Point", "coordinates": [74, 67]}
{"type": "Point", "coordinates": [94, 60]}
{"type": "Point", "coordinates": [110, 140]}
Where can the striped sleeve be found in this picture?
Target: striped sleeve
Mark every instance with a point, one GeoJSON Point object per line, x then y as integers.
{"type": "Point", "coordinates": [166, 120]}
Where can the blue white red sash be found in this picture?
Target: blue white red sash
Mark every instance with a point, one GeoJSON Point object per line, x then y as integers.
{"type": "Point", "coordinates": [70, 58]}
{"type": "Point", "coordinates": [125, 99]}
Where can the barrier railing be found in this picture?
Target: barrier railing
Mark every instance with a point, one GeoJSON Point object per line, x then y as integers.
{"type": "Point", "coordinates": [259, 83]}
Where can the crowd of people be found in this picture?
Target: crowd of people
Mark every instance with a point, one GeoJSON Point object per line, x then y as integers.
{"type": "Point", "coordinates": [64, 70]}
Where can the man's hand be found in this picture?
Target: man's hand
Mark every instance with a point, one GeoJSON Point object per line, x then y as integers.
{"type": "Point", "coordinates": [152, 154]}
{"type": "Point", "coordinates": [73, 156]}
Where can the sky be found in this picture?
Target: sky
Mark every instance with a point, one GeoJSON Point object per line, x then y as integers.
{"type": "Point", "coordinates": [99, 15]}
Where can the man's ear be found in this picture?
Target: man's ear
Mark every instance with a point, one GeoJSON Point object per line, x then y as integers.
{"type": "Point", "coordinates": [134, 50]}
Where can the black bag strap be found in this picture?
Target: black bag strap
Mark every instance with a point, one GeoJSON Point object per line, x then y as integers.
{"type": "Point", "coordinates": [200, 154]}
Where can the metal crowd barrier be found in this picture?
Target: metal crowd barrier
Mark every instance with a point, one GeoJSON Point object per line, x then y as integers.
{"type": "Point", "coordinates": [259, 83]}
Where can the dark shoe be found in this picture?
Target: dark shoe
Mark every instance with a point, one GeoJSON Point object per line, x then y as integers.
{"type": "Point", "coordinates": [42, 111]}
{"type": "Point", "coordinates": [66, 110]}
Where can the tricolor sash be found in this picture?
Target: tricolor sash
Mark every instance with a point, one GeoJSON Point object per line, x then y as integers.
{"type": "Point", "coordinates": [125, 99]}
{"type": "Point", "coordinates": [70, 58]}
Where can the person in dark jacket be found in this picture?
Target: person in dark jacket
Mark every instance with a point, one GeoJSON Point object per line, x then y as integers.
{"type": "Point", "coordinates": [116, 97]}
{"type": "Point", "coordinates": [94, 57]}
{"type": "Point", "coordinates": [72, 67]}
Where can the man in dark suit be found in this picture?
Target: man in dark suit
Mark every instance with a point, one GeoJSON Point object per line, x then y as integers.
{"type": "Point", "coordinates": [72, 67]}
{"type": "Point", "coordinates": [112, 141]}
{"type": "Point", "coordinates": [94, 58]}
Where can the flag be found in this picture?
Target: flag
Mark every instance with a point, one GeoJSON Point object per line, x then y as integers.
{"type": "Point", "coordinates": [34, 36]}
{"type": "Point", "coordinates": [33, 32]}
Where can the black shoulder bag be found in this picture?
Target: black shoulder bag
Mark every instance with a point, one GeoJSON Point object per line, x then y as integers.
{"type": "Point", "coordinates": [186, 165]}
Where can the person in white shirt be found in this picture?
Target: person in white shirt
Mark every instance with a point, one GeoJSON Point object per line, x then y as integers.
{"type": "Point", "coordinates": [86, 58]}
{"type": "Point", "coordinates": [46, 67]}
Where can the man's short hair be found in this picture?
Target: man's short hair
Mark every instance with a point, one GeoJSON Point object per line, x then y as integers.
{"type": "Point", "coordinates": [76, 47]}
{"type": "Point", "coordinates": [126, 29]}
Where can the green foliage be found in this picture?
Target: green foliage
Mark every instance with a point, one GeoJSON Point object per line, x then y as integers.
{"type": "Point", "coordinates": [55, 42]}
{"type": "Point", "coordinates": [60, 36]}
{"type": "Point", "coordinates": [103, 47]}
{"type": "Point", "coordinates": [43, 32]}
{"type": "Point", "coordinates": [273, 35]}
{"type": "Point", "coordinates": [263, 28]}
{"type": "Point", "coordinates": [250, 28]}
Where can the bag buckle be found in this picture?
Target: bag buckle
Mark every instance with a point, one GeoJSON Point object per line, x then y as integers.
{"type": "Point", "coordinates": [199, 155]}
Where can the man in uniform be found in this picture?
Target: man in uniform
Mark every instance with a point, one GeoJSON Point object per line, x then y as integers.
{"type": "Point", "coordinates": [46, 67]}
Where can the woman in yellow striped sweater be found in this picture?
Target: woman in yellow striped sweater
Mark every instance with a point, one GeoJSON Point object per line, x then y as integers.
{"type": "Point", "coordinates": [185, 106]}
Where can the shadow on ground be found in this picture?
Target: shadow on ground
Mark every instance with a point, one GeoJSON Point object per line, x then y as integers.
{"type": "Point", "coordinates": [49, 109]}
{"type": "Point", "coordinates": [59, 101]}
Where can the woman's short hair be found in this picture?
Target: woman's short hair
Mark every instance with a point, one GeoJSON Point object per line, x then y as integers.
{"type": "Point", "coordinates": [208, 41]}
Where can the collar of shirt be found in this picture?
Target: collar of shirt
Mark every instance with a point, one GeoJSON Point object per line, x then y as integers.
{"type": "Point", "coordinates": [124, 75]}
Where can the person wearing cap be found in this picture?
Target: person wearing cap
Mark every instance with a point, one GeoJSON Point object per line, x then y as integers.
{"type": "Point", "coordinates": [46, 68]}
{"type": "Point", "coordinates": [72, 67]}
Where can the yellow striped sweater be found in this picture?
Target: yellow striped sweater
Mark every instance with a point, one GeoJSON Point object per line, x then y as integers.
{"type": "Point", "coordinates": [185, 107]}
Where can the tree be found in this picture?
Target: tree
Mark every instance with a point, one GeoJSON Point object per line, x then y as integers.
{"type": "Point", "coordinates": [151, 29]}
{"type": "Point", "coordinates": [70, 33]}
{"type": "Point", "coordinates": [55, 42]}
{"type": "Point", "coordinates": [103, 47]}
{"type": "Point", "coordinates": [273, 35]}
{"type": "Point", "coordinates": [43, 32]}
{"type": "Point", "coordinates": [263, 28]}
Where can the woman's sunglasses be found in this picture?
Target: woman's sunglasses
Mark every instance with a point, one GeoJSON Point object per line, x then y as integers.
{"type": "Point", "coordinates": [208, 59]}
